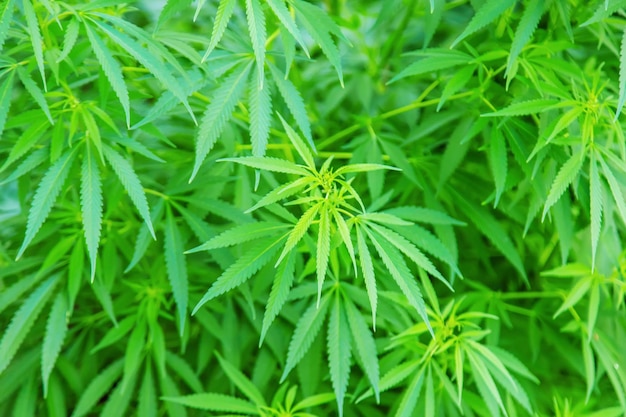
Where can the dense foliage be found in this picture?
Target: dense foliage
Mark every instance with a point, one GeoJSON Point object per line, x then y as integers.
{"type": "Point", "coordinates": [294, 208]}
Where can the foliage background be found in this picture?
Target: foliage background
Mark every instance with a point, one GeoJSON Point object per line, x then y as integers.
{"type": "Point", "coordinates": [379, 144]}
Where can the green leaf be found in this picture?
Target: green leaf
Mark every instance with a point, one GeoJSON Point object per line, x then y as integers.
{"type": "Point", "coordinates": [129, 179]}
{"type": "Point", "coordinates": [6, 17]}
{"type": "Point", "coordinates": [525, 29]}
{"type": "Point", "coordinates": [242, 269]}
{"type": "Point", "coordinates": [111, 69]}
{"type": "Point", "coordinates": [320, 26]}
{"type": "Point", "coordinates": [215, 402]}
{"type": "Point", "coordinates": [114, 334]}
{"type": "Point", "coordinates": [279, 293]}
{"type": "Point", "coordinates": [133, 355]}
{"type": "Point", "coordinates": [23, 320]}
{"type": "Point", "coordinates": [294, 102]}
{"type": "Point", "coordinates": [256, 27]}
{"type": "Point", "coordinates": [301, 147]}
{"type": "Point", "coordinates": [282, 192]}
{"type": "Point", "coordinates": [240, 234]}
{"type": "Point", "coordinates": [147, 59]}
{"type": "Point", "coordinates": [564, 178]}
{"type": "Point", "coordinates": [435, 60]}
{"type": "Point", "coordinates": [313, 401]}
{"type": "Point", "coordinates": [401, 274]}
{"type": "Point", "coordinates": [91, 205]}
{"type": "Point", "coordinates": [35, 92]}
{"type": "Point", "coordinates": [576, 293]}
{"type": "Point", "coordinates": [53, 338]}
{"type": "Point", "coordinates": [242, 382]}
{"type": "Point", "coordinates": [69, 39]}
{"type": "Point", "coordinates": [224, 12]}
{"type": "Point", "coordinates": [98, 388]}
{"type": "Point", "coordinates": [614, 186]}
{"type": "Point", "coordinates": [524, 108]}
{"type": "Point", "coordinates": [423, 215]}
{"type": "Point", "coordinates": [6, 92]}
{"type": "Point", "coordinates": [299, 230]}
{"type": "Point", "coordinates": [147, 401]}
{"type": "Point", "coordinates": [486, 385]}
{"type": "Point", "coordinates": [176, 267]}
{"type": "Point", "coordinates": [260, 101]}
{"type": "Point", "coordinates": [143, 237]}
{"type": "Point", "coordinates": [338, 350]}
{"type": "Point", "coordinates": [282, 13]}
{"type": "Point", "coordinates": [367, 267]}
{"type": "Point", "coordinates": [498, 161]}
{"type": "Point", "coordinates": [269, 163]}
{"type": "Point", "coordinates": [365, 344]}
{"type": "Point", "coordinates": [622, 77]}
{"type": "Point", "coordinates": [27, 140]}
{"type": "Point", "coordinates": [323, 248]}
{"type": "Point", "coordinates": [32, 24]}
{"type": "Point", "coordinates": [45, 196]}
{"type": "Point", "coordinates": [590, 368]}
{"type": "Point", "coordinates": [217, 113]}
{"type": "Point", "coordinates": [595, 195]}
{"type": "Point", "coordinates": [307, 328]}
{"type": "Point", "coordinates": [488, 12]}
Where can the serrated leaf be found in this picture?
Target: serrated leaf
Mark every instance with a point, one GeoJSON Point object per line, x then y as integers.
{"type": "Point", "coordinates": [283, 281]}
{"type": "Point", "coordinates": [115, 333]}
{"type": "Point", "coordinates": [595, 196]}
{"type": "Point", "coordinates": [282, 13]}
{"type": "Point", "coordinates": [97, 388]}
{"type": "Point", "coordinates": [485, 383]}
{"type": "Point", "coordinates": [217, 113]}
{"type": "Point", "coordinates": [91, 205]}
{"type": "Point", "coordinates": [215, 402]}
{"type": "Point", "coordinates": [524, 31]}
{"type": "Point", "coordinates": [6, 17]}
{"type": "Point", "coordinates": [564, 178]}
{"type": "Point", "coordinates": [365, 344]}
{"type": "Point", "coordinates": [575, 294]}
{"type": "Point", "coordinates": [401, 274]}
{"type": "Point", "coordinates": [69, 39]}
{"type": "Point", "coordinates": [487, 13]}
{"type": "Point", "coordinates": [152, 64]}
{"type": "Point", "coordinates": [129, 179]}
{"type": "Point", "coordinates": [346, 169]}
{"type": "Point", "coordinates": [367, 267]}
{"type": "Point", "coordinates": [622, 78]}
{"type": "Point", "coordinates": [242, 382]}
{"type": "Point", "coordinates": [269, 163]}
{"type": "Point", "coordinates": [132, 356]}
{"type": "Point", "coordinates": [344, 232]}
{"type": "Point", "coordinates": [305, 332]}
{"type": "Point", "coordinates": [32, 25]}
{"type": "Point", "coordinates": [323, 248]}
{"type": "Point", "coordinates": [294, 102]}
{"type": "Point", "coordinates": [299, 230]}
{"type": "Point", "coordinates": [45, 196]}
{"type": "Point", "coordinates": [282, 192]}
{"type": "Point", "coordinates": [338, 340]}
{"type": "Point", "coordinates": [56, 329]}
{"type": "Point", "coordinates": [147, 401]}
{"type": "Point", "coordinates": [260, 101]}
{"type": "Point", "coordinates": [143, 237]}
{"type": "Point", "coordinates": [443, 59]}
{"type": "Point", "coordinates": [111, 69]}
{"type": "Point", "coordinates": [240, 234]}
{"type": "Point", "coordinates": [6, 91]}
{"type": "Point", "coordinates": [498, 161]}
{"type": "Point", "coordinates": [242, 269]}
{"type": "Point", "coordinates": [614, 186]}
{"type": "Point", "coordinates": [176, 267]}
{"type": "Point", "coordinates": [423, 215]}
{"type": "Point", "coordinates": [524, 108]}
{"type": "Point", "coordinates": [298, 143]}
{"type": "Point", "coordinates": [26, 141]}
{"type": "Point", "coordinates": [320, 26]}
{"type": "Point", "coordinates": [223, 15]}
{"type": "Point", "coordinates": [256, 28]}
{"type": "Point", "coordinates": [23, 320]}
{"type": "Point", "coordinates": [35, 92]}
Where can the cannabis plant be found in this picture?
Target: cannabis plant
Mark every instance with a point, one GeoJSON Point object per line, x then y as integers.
{"type": "Point", "coordinates": [308, 208]}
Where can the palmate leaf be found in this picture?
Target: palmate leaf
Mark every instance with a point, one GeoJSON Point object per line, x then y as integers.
{"type": "Point", "coordinates": [111, 69]}
{"type": "Point", "coordinates": [145, 57]}
{"type": "Point", "coordinates": [269, 163]}
{"type": "Point", "coordinates": [53, 339]}
{"type": "Point", "coordinates": [564, 178]}
{"type": "Point", "coordinates": [299, 145]}
{"type": "Point", "coordinates": [215, 402]}
{"type": "Point", "coordinates": [129, 179]}
{"type": "Point", "coordinates": [91, 205]}
{"type": "Point", "coordinates": [223, 15]}
{"type": "Point", "coordinates": [525, 29]}
{"type": "Point", "coordinates": [176, 267]}
{"type": "Point", "coordinates": [320, 26]}
{"type": "Point", "coordinates": [69, 39]}
{"type": "Point", "coordinates": [23, 320]}
{"type": "Point", "coordinates": [339, 352]}
{"type": "Point", "coordinates": [32, 24]}
{"type": "Point", "coordinates": [282, 192]}
{"type": "Point", "coordinates": [487, 13]}
{"type": "Point", "coordinates": [294, 102]}
{"type": "Point", "coordinates": [401, 274]}
{"type": "Point", "coordinates": [364, 343]}
{"type": "Point", "coordinates": [280, 290]}
{"type": "Point", "coordinates": [6, 91]}
{"type": "Point", "coordinates": [485, 383]}
{"type": "Point", "coordinates": [242, 269]}
{"type": "Point", "coordinates": [305, 332]}
{"type": "Point", "coordinates": [217, 113]}
{"type": "Point", "coordinates": [6, 17]}
{"type": "Point", "coordinates": [256, 28]}
{"type": "Point", "coordinates": [45, 196]}
{"type": "Point", "coordinates": [241, 234]}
